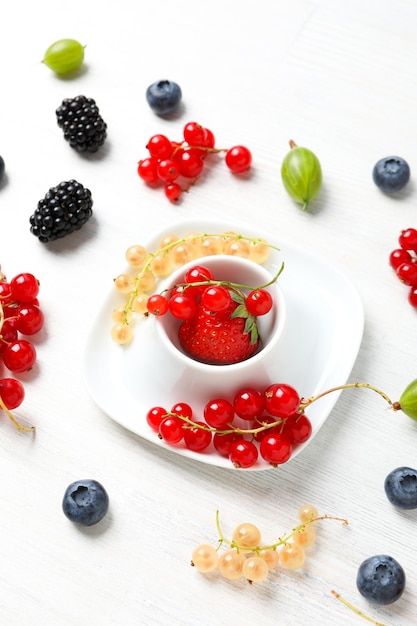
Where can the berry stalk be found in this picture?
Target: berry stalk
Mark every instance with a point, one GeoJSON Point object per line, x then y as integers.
{"type": "Point", "coordinates": [355, 609]}
{"type": "Point", "coordinates": [11, 417]}
{"type": "Point", "coordinates": [189, 423]}
{"type": "Point", "coordinates": [280, 541]}
{"type": "Point", "coordinates": [236, 287]}
{"type": "Point", "coordinates": [306, 403]}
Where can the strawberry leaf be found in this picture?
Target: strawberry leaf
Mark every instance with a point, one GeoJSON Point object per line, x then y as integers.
{"type": "Point", "coordinates": [251, 329]}
{"type": "Point", "coordinates": [237, 296]}
{"type": "Point", "coordinates": [248, 326]}
{"type": "Point", "coordinates": [240, 311]}
{"type": "Point", "coordinates": [254, 335]}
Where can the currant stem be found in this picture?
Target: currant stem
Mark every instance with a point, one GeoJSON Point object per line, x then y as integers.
{"type": "Point", "coordinates": [306, 403]}
{"type": "Point", "coordinates": [236, 429]}
{"type": "Point", "coordinates": [202, 148]}
{"type": "Point", "coordinates": [355, 609]}
{"type": "Point", "coordinates": [13, 419]}
{"type": "Point", "coordinates": [225, 283]}
{"type": "Point", "coordinates": [280, 541]}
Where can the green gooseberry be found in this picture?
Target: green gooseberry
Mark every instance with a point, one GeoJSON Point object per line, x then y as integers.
{"type": "Point", "coordinates": [408, 400]}
{"type": "Point", "coordinates": [301, 175]}
{"type": "Point", "coordinates": [64, 56]}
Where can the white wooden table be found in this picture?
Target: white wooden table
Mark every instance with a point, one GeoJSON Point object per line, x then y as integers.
{"type": "Point", "coordinates": [337, 77]}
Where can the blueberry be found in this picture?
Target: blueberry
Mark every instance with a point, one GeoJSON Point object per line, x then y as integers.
{"type": "Point", "coordinates": [163, 97]}
{"type": "Point", "coordinates": [2, 167]}
{"type": "Point", "coordinates": [391, 174]}
{"type": "Point", "coordinates": [380, 579]}
{"type": "Point", "coordinates": [85, 502]}
{"type": "Point", "coordinates": [401, 487]}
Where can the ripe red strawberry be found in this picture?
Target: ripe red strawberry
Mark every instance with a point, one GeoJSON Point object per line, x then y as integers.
{"type": "Point", "coordinates": [220, 338]}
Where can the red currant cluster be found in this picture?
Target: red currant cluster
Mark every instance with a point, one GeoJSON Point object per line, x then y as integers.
{"type": "Point", "coordinates": [274, 425]}
{"type": "Point", "coordinates": [183, 299]}
{"type": "Point", "coordinates": [404, 261]}
{"type": "Point", "coordinates": [174, 164]}
{"type": "Point", "coordinates": [20, 314]}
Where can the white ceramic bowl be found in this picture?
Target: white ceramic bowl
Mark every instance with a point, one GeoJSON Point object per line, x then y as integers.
{"type": "Point", "coordinates": [224, 379]}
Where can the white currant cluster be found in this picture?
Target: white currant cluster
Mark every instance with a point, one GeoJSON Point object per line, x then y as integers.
{"type": "Point", "coordinates": [245, 555]}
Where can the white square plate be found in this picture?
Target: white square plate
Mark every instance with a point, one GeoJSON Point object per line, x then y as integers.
{"type": "Point", "coordinates": [323, 333]}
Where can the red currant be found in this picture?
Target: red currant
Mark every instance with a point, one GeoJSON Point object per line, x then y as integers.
{"type": "Point", "coordinates": [154, 417]}
{"type": "Point", "coordinates": [197, 274]}
{"type": "Point", "coordinates": [183, 409]}
{"type": "Point", "coordinates": [5, 293]}
{"type": "Point", "coordinates": [19, 356]}
{"type": "Point", "coordinates": [159, 146]}
{"type": "Point", "coordinates": [168, 170]}
{"type": "Point", "coordinates": [298, 428]}
{"type": "Point", "coordinates": [222, 443]}
{"type": "Point", "coordinates": [412, 296]}
{"type": "Point", "coordinates": [148, 170]}
{"type": "Point", "coordinates": [9, 310]}
{"type": "Point", "coordinates": [157, 304]}
{"type": "Point", "coordinates": [171, 429]}
{"type": "Point", "coordinates": [29, 320]}
{"type": "Point", "coordinates": [249, 404]}
{"type": "Point", "coordinates": [399, 256]}
{"type": "Point", "coordinates": [8, 334]}
{"type": "Point", "coordinates": [173, 191]}
{"type": "Point", "coordinates": [275, 449]}
{"type": "Point", "coordinates": [216, 298]}
{"type": "Point", "coordinates": [408, 239]}
{"type": "Point", "coordinates": [243, 453]}
{"type": "Point", "coordinates": [197, 438]}
{"type": "Point", "coordinates": [407, 273]}
{"type": "Point", "coordinates": [182, 306]}
{"type": "Point", "coordinates": [190, 163]}
{"type": "Point", "coordinates": [219, 413]}
{"type": "Point", "coordinates": [24, 287]}
{"type": "Point", "coordinates": [194, 134]}
{"type": "Point", "coordinates": [238, 159]}
{"type": "Point", "coordinates": [281, 400]}
{"type": "Point", "coordinates": [11, 392]}
{"type": "Point", "coordinates": [210, 140]}
{"type": "Point", "coordinates": [259, 302]}
{"type": "Point", "coordinates": [263, 421]}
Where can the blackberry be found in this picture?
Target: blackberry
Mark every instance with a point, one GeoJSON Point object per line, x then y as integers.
{"type": "Point", "coordinates": [80, 119]}
{"type": "Point", "coordinates": [64, 209]}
